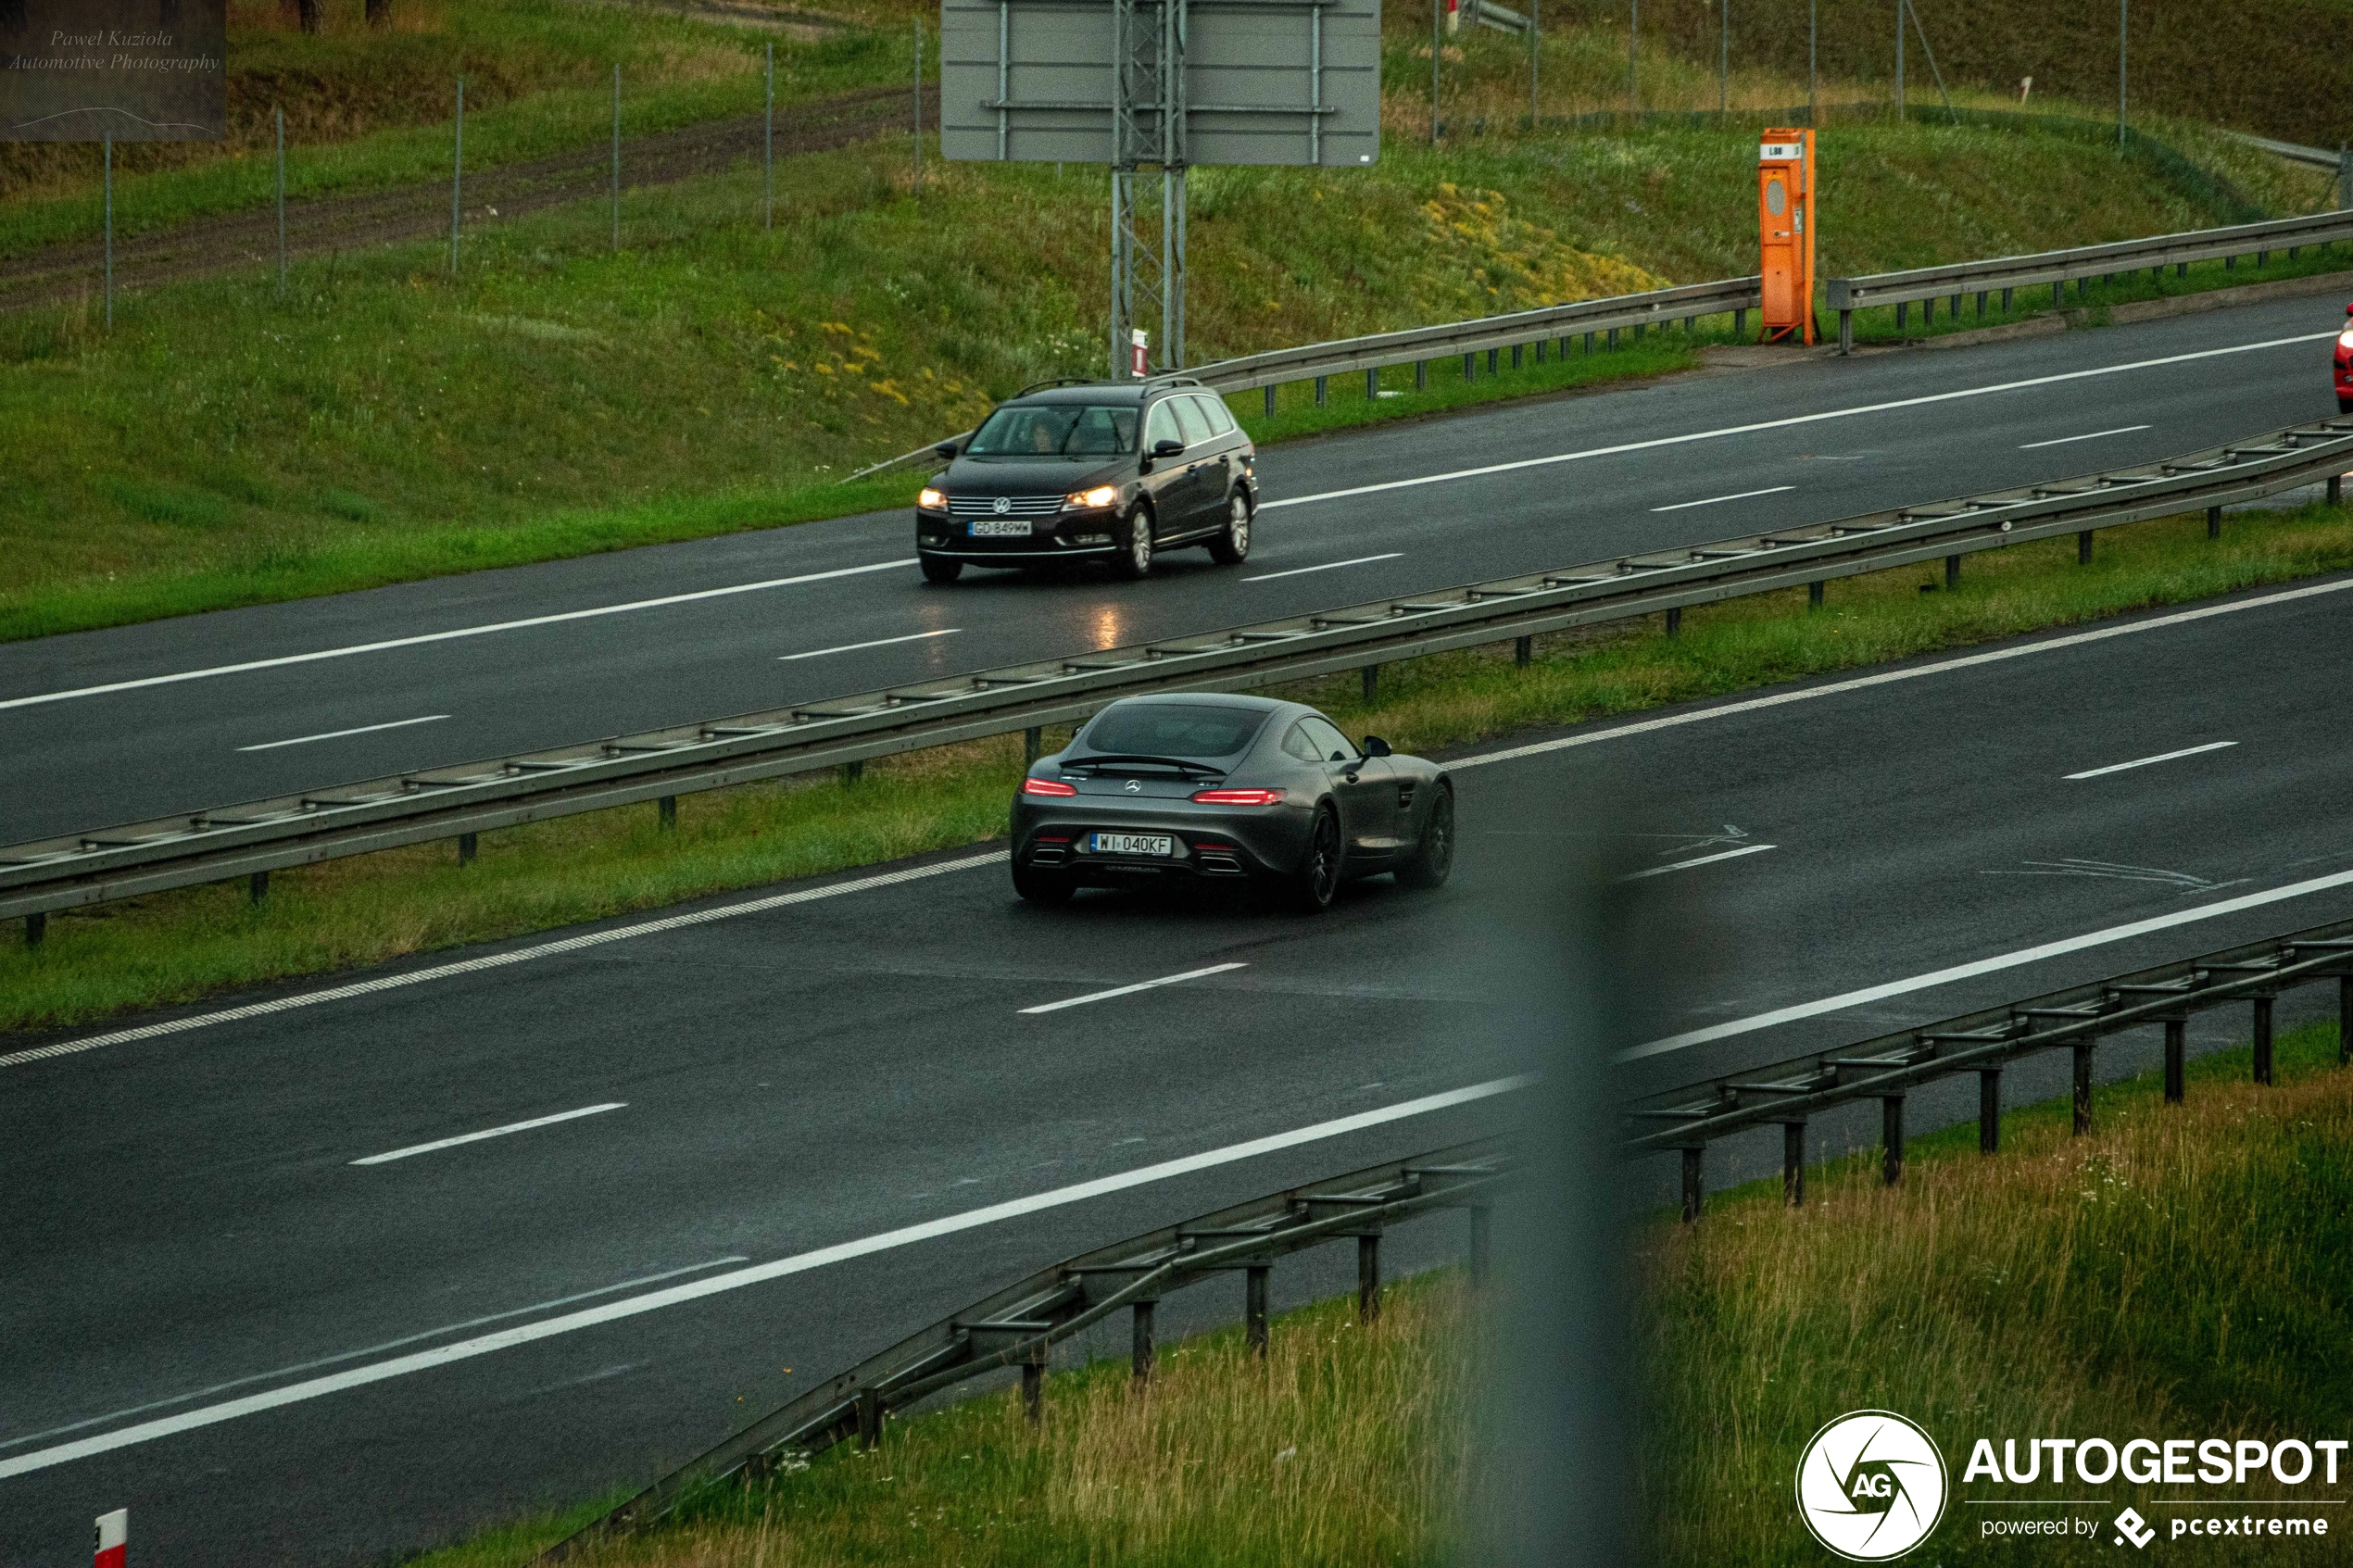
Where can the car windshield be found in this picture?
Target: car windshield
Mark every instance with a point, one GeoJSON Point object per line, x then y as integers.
{"type": "Point", "coordinates": [1171, 729]}
{"type": "Point", "coordinates": [1056, 430]}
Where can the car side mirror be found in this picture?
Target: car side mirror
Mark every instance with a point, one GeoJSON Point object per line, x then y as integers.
{"type": "Point", "coordinates": [1375, 746]}
{"type": "Point", "coordinates": [1168, 448]}
{"type": "Point", "coordinates": [945, 451]}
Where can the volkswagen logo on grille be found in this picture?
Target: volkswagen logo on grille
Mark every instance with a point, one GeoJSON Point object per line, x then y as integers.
{"type": "Point", "coordinates": [1135, 787]}
{"type": "Point", "coordinates": [1004, 504]}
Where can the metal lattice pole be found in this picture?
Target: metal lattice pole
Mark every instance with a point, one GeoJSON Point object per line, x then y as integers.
{"type": "Point", "coordinates": [918, 186]}
{"type": "Point", "coordinates": [1813, 38]}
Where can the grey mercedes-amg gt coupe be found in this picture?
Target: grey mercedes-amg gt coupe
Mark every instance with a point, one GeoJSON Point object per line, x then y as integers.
{"type": "Point", "coordinates": [1215, 787]}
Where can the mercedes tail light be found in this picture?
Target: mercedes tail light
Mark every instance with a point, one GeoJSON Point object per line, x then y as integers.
{"type": "Point", "coordinates": [1053, 787]}
{"type": "Point", "coordinates": [1237, 796]}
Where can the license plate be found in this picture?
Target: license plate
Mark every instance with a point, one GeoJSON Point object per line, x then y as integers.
{"type": "Point", "coordinates": [988, 528]}
{"type": "Point", "coordinates": [1131, 844]}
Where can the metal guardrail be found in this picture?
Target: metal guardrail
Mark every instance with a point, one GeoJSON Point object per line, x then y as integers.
{"type": "Point", "coordinates": [92, 867]}
{"type": "Point", "coordinates": [1925, 285]}
{"type": "Point", "coordinates": [1890, 1067]}
{"type": "Point", "coordinates": [2295, 152]}
{"type": "Point", "coordinates": [1019, 1326]}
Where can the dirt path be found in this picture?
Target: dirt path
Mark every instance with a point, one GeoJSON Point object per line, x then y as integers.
{"type": "Point", "coordinates": [338, 223]}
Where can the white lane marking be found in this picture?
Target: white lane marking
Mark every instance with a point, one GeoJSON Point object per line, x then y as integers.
{"type": "Point", "coordinates": [338, 734]}
{"type": "Point", "coordinates": [877, 643]}
{"type": "Point", "coordinates": [2065, 945]}
{"type": "Point", "coordinates": [375, 1349]}
{"type": "Point", "coordinates": [1482, 471]}
{"type": "Point", "coordinates": [2092, 436]}
{"type": "Point", "coordinates": [422, 638]}
{"type": "Point", "coordinates": [1701, 860]}
{"type": "Point", "coordinates": [1713, 500]}
{"type": "Point", "coordinates": [1834, 688]}
{"type": "Point", "coordinates": [2144, 761]}
{"type": "Point", "coordinates": [500, 961]}
{"type": "Point", "coordinates": [1131, 990]}
{"type": "Point", "coordinates": [1328, 566]}
{"type": "Point", "coordinates": [759, 1273]}
{"type": "Point", "coordinates": [416, 1149]}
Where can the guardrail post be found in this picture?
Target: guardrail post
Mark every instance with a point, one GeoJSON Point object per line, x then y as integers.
{"type": "Point", "coordinates": [1372, 683]}
{"type": "Point", "coordinates": [1612, 341]}
{"type": "Point", "coordinates": [258, 887]}
{"type": "Point", "coordinates": [1372, 384]}
{"type": "Point", "coordinates": [467, 845]}
{"type": "Point", "coordinates": [1675, 621]}
{"type": "Point", "coordinates": [1516, 362]}
{"type": "Point", "coordinates": [2262, 1039]}
{"type": "Point", "coordinates": [2082, 1087]}
{"type": "Point", "coordinates": [1814, 594]}
{"type": "Point", "coordinates": [1927, 312]}
{"type": "Point", "coordinates": [1903, 310]}
{"type": "Point", "coordinates": [1952, 572]}
{"type": "Point", "coordinates": [2006, 302]}
{"type": "Point", "coordinates": [1033, 1387]}
{"type": "Point", "coordinates": [1032, 742]}
{"type": "Point", "coordinates": [1740, 323]}
{"type": "Point", "coordinates": [1523, 651]}
{"type": "Point", "coordinates": [870, 1417]}
{"type": "Point", "coordinates": [2336, 489]}
{"type": "Point", "coordinates": [1421, 375]}
{"type": "Point", "coordinates": [2177, 1031]}
{"type": "Point", "coordinates": [1368, 1277]}
{"type": "Point", "coordinates": [1793, 1165]}
{"type": "Point", "coordinates": [1270, 400]}
{"type": "Point", "coordinates": [666, 812]}
{"type": "Point", "coordinates": [1141, 1342]}
{"type": "Point", "coordinates": [1540, 349]}
{"type": "Point", "coordinates": [2214, 522]}
{"type": "Point", "coordinates": [36, 926]}
{"type": "Point", "coordinates": [1490, 361]}
{"type": "Point", "coordinates": [2344, 1018]}
{"type": "Point", "coordinates": [1482, 1218]}
{"type": "Point", "coordinates": [1319, 390]}
{"type": "Point", "coordinates": [1255, 1308]}
{"type": "Point", "coordinates": [2083, 547]}
{"type": "Point", "coordinates": [1981, 305]}
{"type": "Point", "coordinates": [1470, 367]}
{"type": "Point", "coordinates": [1846, 332]}
{"type": "Point", "coordinates": [1694, 1193]}
{"type": "Point", "coordinates": [1891, 1161]}
{"type": "Point", "coordinates": [2058, 293]}
{"type": "Point", "coordinates": [851, 774]}
{"type": "Point", "coordinates": [1989, 1111]}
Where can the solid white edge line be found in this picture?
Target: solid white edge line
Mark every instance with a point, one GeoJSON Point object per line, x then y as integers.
{"type": "Point", "coordinates": [1131, 990]}
{"type": "Point", "coordinates": [375, 1350]}
{"type": "Point", "coordinates": [391, 1155]}
{"type": "Point", "coordinates": [1860, 683]}
{"type": "Point", "coordinates": [1701, 861]}
{"type": "Point", "coordinates": [2144, 761]}
{"type": "Point", "coordinates": [2088, 435]}
{"type": "Point", "coordinates": [500, 961]}
{"type": "Point", "coordinates": [1793, 419]}
{"type": "Point", "coordinates": [759, 1273]}
{"type": "Point", "coordinates": [338, 734]}
{"type": "Point", "coordinates": [2063, 946]}
{"type": "Point", "coordinates": [455, 632]}
{"type": "Point", "coordinates": [1328, 566]}
{"type": "Point", "coordinates": [1713, 500]}
{"type": "Point", "coordinates": [877, 643]}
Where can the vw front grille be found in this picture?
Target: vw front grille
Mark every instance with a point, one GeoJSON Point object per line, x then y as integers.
{"type": "Point", "coordinates": [1015, 506]}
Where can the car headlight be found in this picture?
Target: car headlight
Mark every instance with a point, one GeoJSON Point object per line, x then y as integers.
{"type": "Point", "coordinates": [931, 499]}
{"type": "Point", "coordinates": [1102, 496]}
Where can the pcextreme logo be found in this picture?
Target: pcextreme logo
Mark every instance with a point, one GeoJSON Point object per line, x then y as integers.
{"type": "Point", "coordinates": [1870, 1486]}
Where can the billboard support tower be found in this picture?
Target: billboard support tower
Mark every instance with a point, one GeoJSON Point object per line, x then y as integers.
{"type": "Point", "coordinates": [1148, 127]}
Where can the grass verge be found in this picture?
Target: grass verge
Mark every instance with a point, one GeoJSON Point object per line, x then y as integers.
{"type": "Point", "coordinates": [185, 945]}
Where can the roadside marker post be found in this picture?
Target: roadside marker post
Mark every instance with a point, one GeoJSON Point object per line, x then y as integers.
{"type": "Point", "coordinates": [1140, 353]}
{"type": "Point", "coordinates": [1785, 232]}
{"type": "Point", "coordinates": [114, 1534]}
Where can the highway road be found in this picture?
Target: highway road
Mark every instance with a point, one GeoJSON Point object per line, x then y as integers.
{"type": "Point", "coordinates": [118, 725]}
{"type": "Point", "coordinates": [803, 1124]}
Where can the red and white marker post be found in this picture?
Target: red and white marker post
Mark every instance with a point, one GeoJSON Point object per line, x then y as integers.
{"type": "Point", "coordinates": [114, 1538]}
{"type": "Point", "coordinates": [1139, 352]}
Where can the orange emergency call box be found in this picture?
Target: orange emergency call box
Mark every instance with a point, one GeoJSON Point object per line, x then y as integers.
{"type": "Point", "coordinates": [1786, 228]}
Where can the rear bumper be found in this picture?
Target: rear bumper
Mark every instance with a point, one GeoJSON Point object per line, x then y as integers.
{"type": "Point", "coordinates": [1211, 842]}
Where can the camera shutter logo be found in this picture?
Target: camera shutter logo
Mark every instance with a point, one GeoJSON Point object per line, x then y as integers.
{"type": "Point", "coordinates": [1872, 1485]}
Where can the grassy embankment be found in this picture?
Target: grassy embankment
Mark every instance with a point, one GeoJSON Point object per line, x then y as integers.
{"type": "Point", "coordinates": [183, 945]}
{"type": "Point", "coordinates": [388, 422]}
{"type": "Point", "coordinates": [2182, 1271]}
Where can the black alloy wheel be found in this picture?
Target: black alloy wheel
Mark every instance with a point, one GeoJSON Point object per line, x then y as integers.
{"type": "Point", "coordinates": [940, 568]}
{"type": "Point", "coordinates": [1232, 546]}
{"type": "Point", "coordinates": [1317, 879]}
{"type": "Point", "coordinates": [1135, 558]}
{"type": "Point", "coordinates": [1042, 887]}
{"type": "Point", "coordinates": [1434, 856]}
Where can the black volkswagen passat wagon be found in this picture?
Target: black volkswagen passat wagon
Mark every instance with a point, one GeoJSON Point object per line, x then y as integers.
{"type": "Point", "coordinates": [1065, 471]}
{"type": "Point", "coordinates": [1193, 786]}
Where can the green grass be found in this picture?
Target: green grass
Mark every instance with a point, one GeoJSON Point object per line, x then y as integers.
{"type": "Point", "coordinates": [386, 422]}
{"type": "Point", "coordinates": [183, 945]}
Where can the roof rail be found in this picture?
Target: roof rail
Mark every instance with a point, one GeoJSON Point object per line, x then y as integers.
{"type": "Point", "coordinates": [1059, 380]}
{"type": "Point", "coordinates": [1173, 378]}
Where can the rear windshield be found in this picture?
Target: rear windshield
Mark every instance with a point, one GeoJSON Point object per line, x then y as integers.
{"type": "Point", "coordinates": [1170, 729]}
{"type": "Point", "coordinates": [1056, 430]}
